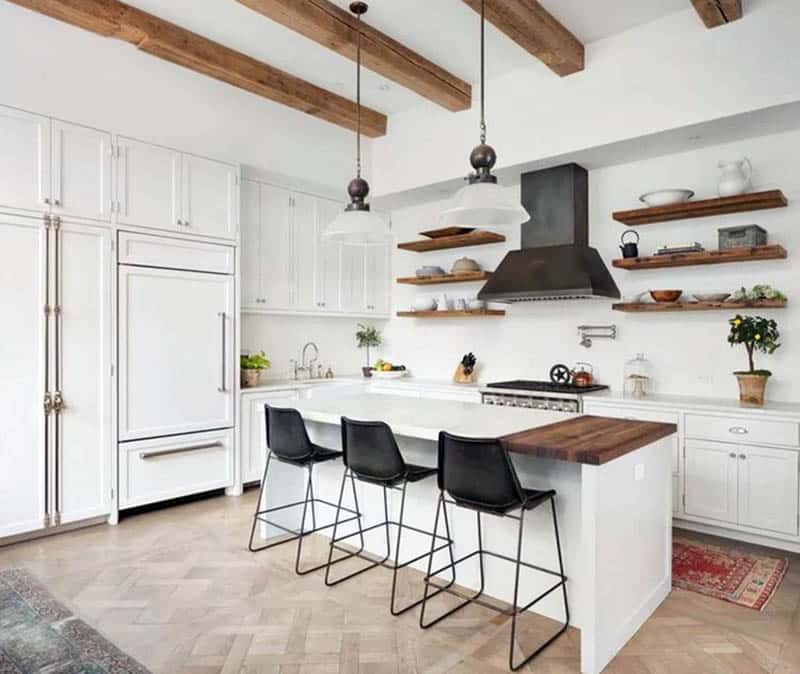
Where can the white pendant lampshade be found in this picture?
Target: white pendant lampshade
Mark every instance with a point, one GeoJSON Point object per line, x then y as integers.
{"type": "Point", "coordinates": [358, 227]}
{"type": "Point", "coordinates": [357, 223]}
{"type": "Point", "coordinates": [484, 205]}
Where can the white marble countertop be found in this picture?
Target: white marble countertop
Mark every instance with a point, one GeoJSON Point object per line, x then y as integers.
{"type": "Point", "coordinates": [424, 418]}
{"type": "Point", "coordinates": [697, 403]}
{"type": "Point", "coordinates": [404, 382]}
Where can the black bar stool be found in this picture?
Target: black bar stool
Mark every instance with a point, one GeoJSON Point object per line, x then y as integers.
{"type": "Point", "coordinates": [478, 474]}
{"type": "Point", "coordinates": [371, 455]}
{"type": "Point", "coordinates": [288, 441]}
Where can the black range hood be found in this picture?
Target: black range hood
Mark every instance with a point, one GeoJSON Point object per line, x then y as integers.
{"type": "Point", "coordinates": [556, 261]}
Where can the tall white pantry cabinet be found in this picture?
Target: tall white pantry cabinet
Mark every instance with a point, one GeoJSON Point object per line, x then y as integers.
{"type": "Point", "coordinates": [65, 192]}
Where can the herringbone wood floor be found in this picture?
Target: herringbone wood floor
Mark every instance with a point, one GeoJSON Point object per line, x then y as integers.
{"type": "Point", "coordinates": [178, 590]}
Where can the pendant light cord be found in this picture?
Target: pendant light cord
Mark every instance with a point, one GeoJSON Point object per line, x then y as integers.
{"type": "Point", "coordinates": [358, 101]}
{"type": "Point", "coordinates": [483, 71]}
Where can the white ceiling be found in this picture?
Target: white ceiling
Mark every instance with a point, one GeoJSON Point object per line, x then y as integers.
{"type": "Point", "coordinates": [445, 31]}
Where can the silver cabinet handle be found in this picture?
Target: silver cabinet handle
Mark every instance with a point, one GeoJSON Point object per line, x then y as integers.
{"type": "Point", "coordinates": [57, 202]}
{"type": "Point", "coordinates": [46, 200]}
{"type": "Point", "coordinates": [733, 455]}
{"type": "Point", "coordinates": [739, 430]}
{"type": "Point", "coordinates": [743, 456]}
{"type": "Point", "coordinates": [177, 450]}
{"type": "Point", "coordinates": [223, 374]}
{"type": "Point", "coordinates": [180, 222]}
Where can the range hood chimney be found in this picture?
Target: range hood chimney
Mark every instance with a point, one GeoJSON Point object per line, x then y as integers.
{"type": "Point", "coordinates": [555, 262]}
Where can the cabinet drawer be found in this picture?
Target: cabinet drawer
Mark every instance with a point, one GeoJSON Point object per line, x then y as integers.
{"type": "Point", "coordinates": [638, 414]}
{"type": "Point", "coordinates": [173, 253]}
{"type": "Point", "coordinates": [742, 430]}
{"type": "Point", "coordinates": [166, 468]}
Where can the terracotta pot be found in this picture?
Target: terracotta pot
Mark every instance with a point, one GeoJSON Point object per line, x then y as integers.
{"type": "Point", "coordinates": [751, 389]}
{"type": "Point", "coordinates": [250, 378]}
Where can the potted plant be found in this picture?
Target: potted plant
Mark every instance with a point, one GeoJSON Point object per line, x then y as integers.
{"type": "Point", "coordinates": [757, 334]}
{"type": "Point", "coordinates": [367, 336]}
{"type": "Point", "coordinates": [251, 368]}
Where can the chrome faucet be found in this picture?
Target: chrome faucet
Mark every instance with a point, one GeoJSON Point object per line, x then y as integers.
{"type": "Point", "coordinates": [309, 367]}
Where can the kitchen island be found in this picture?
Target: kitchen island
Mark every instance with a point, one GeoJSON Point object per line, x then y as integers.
{"type": "Point", "coordinates": [612, 477]}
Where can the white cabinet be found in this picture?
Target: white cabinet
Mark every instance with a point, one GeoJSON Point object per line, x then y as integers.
{"type": "Point", "coordinates": [288, 266]}
{"type": "Point", "coordinates": [175, 351]}
{"type": "Point", "coordinates": [208, 197]}
{"type": "Point", "coordinates": [710, 480]}
{"type": "Point", "coordinates": [55, 460]}
{"type": "Point", "coordinates": [82, 372]}
{"type": "Point", "coordinates": [24, 160]}
{"type": "Point", "coordinates": [768, 483]}
{"type": "Point", "coordinates": [165, 189]}
{"type": "Point", "coordinates": [148, 184]}
{"type": "Point", "coordinates": [23, 282]}
{"type": "Point", "coordinates": [81, 171]}
{"type": "Point", "coordinates": [253, 431]}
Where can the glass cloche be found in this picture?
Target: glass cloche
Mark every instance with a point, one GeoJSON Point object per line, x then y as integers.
{"type": "Point", "coordinates": [638, 377]}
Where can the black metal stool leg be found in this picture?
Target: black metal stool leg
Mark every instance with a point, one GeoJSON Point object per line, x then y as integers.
{"type": "Point", "coordinates": [258, 507]}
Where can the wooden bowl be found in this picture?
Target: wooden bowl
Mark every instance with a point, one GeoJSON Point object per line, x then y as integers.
{"type": "Point", "coordinates": [666, 295]}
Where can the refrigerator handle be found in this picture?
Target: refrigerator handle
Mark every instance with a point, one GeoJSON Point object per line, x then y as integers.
{"type": "Point", "coordinates": [222, 387]}
{"type": "Point", "coordinates": [48, 403]}
{"type": "Point", "coordinates": [58, 400]}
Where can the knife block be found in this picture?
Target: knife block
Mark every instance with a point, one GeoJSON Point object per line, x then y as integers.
{"type": "Point", "coordinates": [461, 377]}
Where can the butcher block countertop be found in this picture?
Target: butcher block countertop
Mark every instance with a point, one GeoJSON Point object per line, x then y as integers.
{"type": "Point", "coordinates": [587, 439]}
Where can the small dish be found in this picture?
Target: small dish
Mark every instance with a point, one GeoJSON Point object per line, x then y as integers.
{"type": "Point", "coordinates": [666, 197]}
{"type": "Point", "coordinates": [711, 297]}
{"type": "Point", "coordinates": [476, 305]}
{"type": "Point", "coordinates": [424, 304]}
{"type": "Point", "coordinates": [430, 271]}
{"type": "Point", "coordinates": [446, 231]}
{"type": "Point", "coordinates": [666, 296]}
{"type": "Point", "coordinates": [465, 264]}
{"type": "Point", "coordinates": [635, 298]}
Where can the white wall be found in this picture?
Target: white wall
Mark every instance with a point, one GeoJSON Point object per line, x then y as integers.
{"type": "Point", "coordinates": [56, 69]}
{"type": "Point", "coordinates": [689, 350]}
{"type": "Point", "coordinates": [664, 75]}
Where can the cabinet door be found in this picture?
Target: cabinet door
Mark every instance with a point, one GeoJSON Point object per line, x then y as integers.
{"type": "Point", "coordinates": [81, 171]}
{"type": "Point", "coordinates": [276, 248]}
{"type": "Point", "coordinates": [148, 185]}
{"type": "Point", "coordinates": [23, 244]}
{"type": "Point", "coordinates": [711, 480]}
{"type": "Point", "coordinates": [254, 437]}
{"type": "Point", "coordinates": [83, 372]}
{"type": "Point", "coordinates": [175, 352]}
{"type": "Point", "coordinates": [376, 289]}
{"type": "Point", "coordinates": [304, 248]}
{"type": "Point", "coordinates": [329, 259]}
{"type": "Point", "coordinates": [24, 160]}
{"type": "Point", "coordinates": [768, 485]}
{"type": "Point", "coordinates": [352, 291]}
{"type": "Point", "coordinates": [209, 189]}
{"type": "Point", "coordinates": [250, 246]}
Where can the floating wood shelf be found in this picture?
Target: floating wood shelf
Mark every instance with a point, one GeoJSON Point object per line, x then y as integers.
{"type": "Point", "coordinates": [451, 314]}
{"type": "Point", "coordinates": [756, 201]}
{"type": "Point", "coordinates": [742, 254]}
{"type": "Point", "coordinates": [464, 277]}
{"type": "Point", "coordinates": [655, 307]}
{"type": "Point", "coordinates": [479, 238]}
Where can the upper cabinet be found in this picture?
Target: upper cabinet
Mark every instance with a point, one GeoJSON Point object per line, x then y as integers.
{"type": "Point", "coordinates": [24, 160]}
{"type": "Point", "coordinates": [288, 266]}
{"type": "Point", "coordinates": [166, 189]}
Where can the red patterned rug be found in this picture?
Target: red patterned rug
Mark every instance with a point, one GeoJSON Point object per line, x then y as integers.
{"type": "Point", "coordinates": [733, 576]}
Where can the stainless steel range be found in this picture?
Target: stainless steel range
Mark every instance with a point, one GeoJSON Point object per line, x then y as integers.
{"type": "Point", "coordinates": [537, 395]}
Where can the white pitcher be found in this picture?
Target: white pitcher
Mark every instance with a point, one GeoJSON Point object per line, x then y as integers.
{"type": "Point", "coordinates": [735, 177]}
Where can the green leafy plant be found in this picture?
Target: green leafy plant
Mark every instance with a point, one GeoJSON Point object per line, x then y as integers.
{"type": "Point", "coordinates": [368, 336]}
{"type": "Point", "coordinates": [758, 292]}
{"type": "Point", "coordinates": [757, 334]}
{"type": "Point", "coordinates": [256, 361]}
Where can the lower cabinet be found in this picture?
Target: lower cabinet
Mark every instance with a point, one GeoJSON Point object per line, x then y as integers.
{"type": "Point", "coordinates": [165, 468]}
{"type": "Point", "coordinates": [755, 487]}
{"type": "Point", "coordinates": [253, 432]}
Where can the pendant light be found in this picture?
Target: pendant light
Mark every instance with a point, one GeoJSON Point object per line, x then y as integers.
{"type": "Point", "coordinates": [482, 202]}
{"type": "Point", "coordinates": [357, 223]}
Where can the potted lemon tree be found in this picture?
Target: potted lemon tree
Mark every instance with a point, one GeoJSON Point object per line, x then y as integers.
{"type": "Point", "coordinates": [367, 336]}
{"type": "Point", "coordinates": [251, 367]}
{"type": "Point", "coordinates": [756, 334]}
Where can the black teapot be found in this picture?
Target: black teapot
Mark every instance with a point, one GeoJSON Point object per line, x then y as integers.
{"type": "Point", "coordinates": [630, 248]}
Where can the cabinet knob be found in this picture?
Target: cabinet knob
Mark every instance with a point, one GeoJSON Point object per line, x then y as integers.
{"type": "Point", "coordinates": [733, 455]}
{"type": "Point", "coordinates": [738, 430]}
{"type": "Point", "coordinates": [46, 200]}
{"type": "Point", "coordinates": [742, 456]}
{"type": "Point", "coordinates": [57, 202]}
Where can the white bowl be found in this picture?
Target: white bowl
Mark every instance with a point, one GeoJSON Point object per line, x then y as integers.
{"type": "Point", "coordinates": [424, 304]}
{"type": "Point", "coordinates": [393, 374]}
{"type": "Point", "coordinates": [666, 197]}
{"type": "Point", "coordinates": [711, 297]}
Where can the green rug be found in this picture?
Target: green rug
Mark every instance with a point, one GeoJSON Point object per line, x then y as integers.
{"type": "Point", "coordinates": [39, 635]}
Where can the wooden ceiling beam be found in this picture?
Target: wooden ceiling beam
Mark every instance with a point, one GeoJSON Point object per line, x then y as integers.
{"type": "Point", "coordinates": [170, 42]}
{"type": "Point", "coordinates": [718, 12]}
{"type": "Point", "coordinates": [537, 31]}
{"type": "Point", "coordinates": [337, 29]}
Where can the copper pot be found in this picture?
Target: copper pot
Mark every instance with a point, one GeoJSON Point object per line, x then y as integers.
{"type": "Point", "coordinates": [583, 375]}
